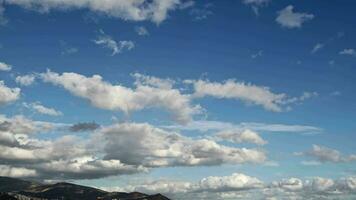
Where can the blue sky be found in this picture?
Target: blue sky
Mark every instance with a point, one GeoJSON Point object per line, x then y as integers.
{"type": "Point", "coordinates": [206, 70]}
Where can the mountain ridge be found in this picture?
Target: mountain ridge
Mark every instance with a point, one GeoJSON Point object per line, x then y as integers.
{"type": "Point", "coordinates": [13, 188]}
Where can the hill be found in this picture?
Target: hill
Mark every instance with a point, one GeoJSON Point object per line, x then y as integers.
{"type": "Point", "coordinates": [21, 189]}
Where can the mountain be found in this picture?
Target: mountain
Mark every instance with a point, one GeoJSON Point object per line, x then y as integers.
{"type": "Point", "coordinates": [14, 189]}
{"type": "Point", "coordinates": [12, 184]}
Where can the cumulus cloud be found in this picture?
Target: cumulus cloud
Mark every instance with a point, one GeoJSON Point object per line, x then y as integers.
{"type": "Point", "coordinates": [65, 157]}
{"type": "Point", "coordinates": [350, 52]}
{"type": "Point", "coordinates": [153, 147]}
{"type": "Point", "coordinates": [25, 80]}
{"type": "Point", "coordinates": [241, 186]}
{"type": "Point", "coordinates": [240, 136]}
{"type": "Point", "coordinates": [112, 150]}
{"type": "Point", "coordinates": [134, 10]}
{"type": "Point", "coordinates": [104, 95]}
{"type": "Point", "coordinates": [289, 19]}
{"type": "Point", "coordinates": [211, 184]}
{"type": "Point", "coordinates": [4, 66]}
{"type": "Point", "coordinates": [234, 182]}
{"type": "Point", "coordinates": [248, 93]}
{"type": "Point", "coordinates": [141, 31]}
{"type": "Point", "coordinates": [84, 126]}
{"type": "Point", "coordinates": [109, 43]}
{"type": "Point", "coordinates": [39, 108]}
{"type": "Point", "coordinates": [8, 95]}
{"type": "Point", "coordinates": [325, 154]}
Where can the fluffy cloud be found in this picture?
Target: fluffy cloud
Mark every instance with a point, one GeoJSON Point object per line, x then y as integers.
{"type": "Point", "coordinates": [22, 125]}
{"type": "Point", "coordinates": [112, 150]}
{"type": "Point", "coordinates": [212, 184]}
{"type": "Point", "coordinates": [289, 19]}
{"type": "Point", "coordinates": [235, 182]}
{"type": "Point", "coordinates": [141, 30]}
{"type": "Point", "coordinates": [153, 147]}
{"type": "Point", "coordinates": [104, 95]}
{"type": "Point", "coordinates": [8, 95]}
{"type": "Point", "coordinates": [116, 47]}
{"type": "Point", "coordinates": [4, 66]}
{"type": "Point", "coordinates": [238, 186]}
{"type": "Point", "coordinates": [350, 52]}
{"type": "Point", "coordinates": [325, 154]}
{"type": "Point", "coordinates": [25, 80]}
{"type": "Point", "coordinates": [135, 10]}
{"type": "Point", "coordinates": [248, 93]}
{"type": "Point", "coordinates": [291, 184]}
{"type": "Point", "coordinates": [65, 157]}
{"type": "Point", "coordinates": [38, 107]}
{"type": "Point", "coordinates": [240, 136]}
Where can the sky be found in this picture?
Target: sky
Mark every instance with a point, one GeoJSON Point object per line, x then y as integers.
{"type": "Point", "coordinates": [230, 99]}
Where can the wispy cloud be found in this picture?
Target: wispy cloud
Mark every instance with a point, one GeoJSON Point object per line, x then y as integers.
{"type": "Point", "coordinates": [141, 30]}
{"type": "Point", "coordinates": [116, 47]}
{"type": "Point", "coordinates": [39, 108]}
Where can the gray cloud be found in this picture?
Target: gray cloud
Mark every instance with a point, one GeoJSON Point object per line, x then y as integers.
{"type": "Point", "coordinates": [325, 154]}
{"type": "Point", "coordinates": [84, 126]}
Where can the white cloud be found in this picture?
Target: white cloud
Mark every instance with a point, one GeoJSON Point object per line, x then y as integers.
{"type": "Point", "coordinates": [116, 47]}
{"type": "Point", "coordinates": [317, 47]}
{"type": "Point", "coordinates": [291, 184]}
{"type": "Point", "coordinates": [211, 184]}
{"type": "Point", "coordinates": [25, 80]}
{"type": "Point", "coordinates": [246, 92]}
{"type": "Point", "coordinates": [104, 95]}
{"type": "Point", "coordinates": [325, 154]}
{"type": "Point", "coordinates": [38, 107]}
{"type": "Point", "coordinates": [16, 172]}
{"type": "Point", "coordinates": [5, 67]}
{"type": "Point", "coordinates": [289, 19]}
{"type": "Point", "coordinates": [135, 10]}
{"type": "Point", "coordinates": [143, 144]}
{"type": "Point", "coordinates": [218, 125]}
{"type": "Point", "coordinates": [141, 30]}
{"type": "Point", "coordinates": [240, 136]}
{"type": "Point", "coordinates": [350, 52]}
{"type": "Point", "coordinates": [229, 183]}
{"type": "Point", "coordinates": [310, 163]}
{"type": "Point", "coordinates": [8, 95]}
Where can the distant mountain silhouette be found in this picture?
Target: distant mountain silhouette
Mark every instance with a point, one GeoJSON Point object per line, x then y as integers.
{"type": "Point", "coordinates": [15, 189]}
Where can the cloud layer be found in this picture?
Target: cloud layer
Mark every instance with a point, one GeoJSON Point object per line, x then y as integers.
{"type": "Point", "coordinates": [135, 10]}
